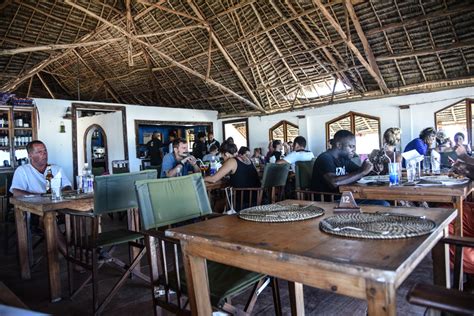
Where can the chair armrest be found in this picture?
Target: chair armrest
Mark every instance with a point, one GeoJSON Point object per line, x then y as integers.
{"type": "Point", "coordinates": [76, 213]}
{"type": "Point", "coordinates": [459, 241]}
{"type": "Point", "coordinates": [441, 298]}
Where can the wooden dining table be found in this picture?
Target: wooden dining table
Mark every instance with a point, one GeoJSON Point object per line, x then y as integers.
{"type": "Point", "coordinates": [453, 194]}
{"type": "Point", "coordinates": [46, 208]}
{"type": "Point", "coordinates": [302, 254]}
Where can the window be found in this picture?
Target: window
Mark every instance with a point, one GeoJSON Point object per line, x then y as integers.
{"type": "Point", "coordinates": [284, 131]}
{"type": "Point", "coordinates": [238, 130]}
{"type": "Point", "coordinates": [366, 129]}
{"type": "Point", "coordinates": [454, 119]}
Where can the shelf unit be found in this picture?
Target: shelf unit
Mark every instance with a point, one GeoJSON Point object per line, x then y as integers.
{"type": "Point", "coordinates": [17, 127]}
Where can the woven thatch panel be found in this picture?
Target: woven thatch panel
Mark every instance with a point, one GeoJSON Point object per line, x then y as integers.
{"type": "Point", "coordinates": [234, 56]}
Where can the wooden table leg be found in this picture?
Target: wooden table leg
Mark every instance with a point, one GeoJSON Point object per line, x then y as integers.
{"type": "Point", "coordinates": [296, 298]}
{"type": "Point", "coordinates": [440, 255]}
{"type": "Point", "coordinates": [22, 238]}
{"type": "Point", "coordinates": [381, 298]}
{"type": "Point", "coordinates": [458, 229]}
{"type": "Point", "coordinates": [49, 221]}
{"type": "Point", "coordinates": [197, 283]}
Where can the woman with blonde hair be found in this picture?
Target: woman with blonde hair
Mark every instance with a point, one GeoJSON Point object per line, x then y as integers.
{"type": "Point", "coordinates": [388, 153]}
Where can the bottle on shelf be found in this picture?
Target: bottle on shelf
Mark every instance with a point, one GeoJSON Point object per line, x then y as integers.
{"type": "Point", "coordinates": [49, 176]}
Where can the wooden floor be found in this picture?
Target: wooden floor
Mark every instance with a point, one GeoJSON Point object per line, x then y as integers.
{"type": "Point", "coordinates": [135, 297]}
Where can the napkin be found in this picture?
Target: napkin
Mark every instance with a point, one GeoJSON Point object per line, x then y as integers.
{"type": "Point", "coordinates": [412, 156]}
{"type": "Point", "coordinates": [435, 161]}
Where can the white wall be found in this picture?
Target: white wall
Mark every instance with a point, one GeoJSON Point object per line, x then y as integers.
{"type": "Point", "coordinates": [51, 112]}
{"type": "Point", "coordinates": [313, 126]}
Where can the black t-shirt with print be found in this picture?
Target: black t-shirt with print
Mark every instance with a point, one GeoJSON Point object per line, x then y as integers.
{"type": "Point", "coordinates": [326, 163]}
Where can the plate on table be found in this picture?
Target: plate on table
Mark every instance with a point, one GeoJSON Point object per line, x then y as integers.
{"type": "Point", "coordinates": [442, 180]}
{"type": "Point", "coordinates": [275, 213]}
{"type": "Point", "coordinates": [372, 179]}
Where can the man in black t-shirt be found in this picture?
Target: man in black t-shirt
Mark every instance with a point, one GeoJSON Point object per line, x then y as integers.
{"type": "Point", "coordinates": [199, 146]}
{"type": "Point", "coordinates": [155, 150]}
{"type": "Point", "coordinates": [334, 168]}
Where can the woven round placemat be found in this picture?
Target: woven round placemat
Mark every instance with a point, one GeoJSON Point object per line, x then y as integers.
{"type": "Point", "coordinates": [376, 225]}
{"type": "Point", "coordinates": [280, 213]}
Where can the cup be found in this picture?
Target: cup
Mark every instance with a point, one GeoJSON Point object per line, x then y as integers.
{"type": "Point", "coordinates": [393, 168]}
{"type": "Point", "coordinates": [427, 164]}
{"type": "Point", "coordinates": [56, 189]}
{"type": "Point", "coordinates": [411, 172]}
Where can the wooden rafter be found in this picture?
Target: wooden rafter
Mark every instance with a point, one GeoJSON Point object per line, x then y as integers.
{"type": "Point", "coordinates": [229, 60]}
{"type": "Point", "coordinates": [421, 52]}
{"type": "Point", "coordinates": [351, 45]}
{"type": "Point", "coordinates": [367, 49]}
{"type": "Point", "coordinates": [39, 48]}
{"type": "Point", "coordinates": [45, 85]}
{"type": "Point", "coordinates": [164, 56]}
{"type": "Point", "coordinates": [130, 29]}
{"type": "Point", "coordinates": [163, 8]}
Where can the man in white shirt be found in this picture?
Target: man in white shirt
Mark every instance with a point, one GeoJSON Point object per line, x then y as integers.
{"type": "Point", "coordinates": [31, 178]}
{"type": "Point", "coordinates": [299, 153]}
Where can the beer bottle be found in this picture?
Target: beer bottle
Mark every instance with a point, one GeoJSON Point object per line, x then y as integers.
{"type": "Point", "coordinates": [49, 176]}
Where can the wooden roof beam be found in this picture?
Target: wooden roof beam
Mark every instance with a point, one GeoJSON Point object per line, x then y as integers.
{"type": "Point", "coordinates": [421, 52]}
{"type": "Point", "coordinates": [4, 52]}
{"type": "Point", "coordinates": [367, 49]}
{"type": "Point", "coordinates": [352, 47]}
{"type": "Point", "coordinates": [46, 86]}
{"type": "Point", "coordinates": [165, 56]}
{"type": "Point", "coordinates": [229, 60]}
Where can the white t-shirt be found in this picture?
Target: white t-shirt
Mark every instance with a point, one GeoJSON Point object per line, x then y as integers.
{"type": "Point", "coordinates": [28, 179]}
{"type": "Point", "coordinates": [295, 156]}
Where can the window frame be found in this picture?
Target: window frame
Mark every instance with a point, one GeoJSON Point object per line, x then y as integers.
{"type": "Point", "coordinates": [469, 117]}
{"type": "Point", "coordinates": [351, 115]}
{"type": "Point", "coordinates": [285, 124]}
{"type": "Point", "coordinates": [246, 120]}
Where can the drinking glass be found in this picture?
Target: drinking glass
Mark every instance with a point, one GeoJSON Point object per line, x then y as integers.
{"type": "Point", "coordinates": [79, 184]}
{"type": "Point", "coordinates": [411, 172]}
{"type": "Point", "coordinates": [427, 164]}
{"type": "Point", "coordinates": [393, 169]}
{"type": "Point", "coordinates": [56, 189]}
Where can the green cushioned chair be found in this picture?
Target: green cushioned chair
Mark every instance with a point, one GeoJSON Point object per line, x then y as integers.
{"type": "Point", "coordinates": [303, 176]}
{"type": "Point", "coordinates": [169, 202]}
{"type": "Point", "coordinates": [112, 193]}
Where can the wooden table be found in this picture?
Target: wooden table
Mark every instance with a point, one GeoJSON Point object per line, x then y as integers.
{"type": "Point", "coordinates": [445, 194]}
{"type": "Point", "coordinates": [299, 252]}
{"type": "Point", "coordinates": [46, 208]}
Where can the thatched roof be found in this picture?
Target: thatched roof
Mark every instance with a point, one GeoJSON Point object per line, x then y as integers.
{"type": "Point", "coordinates": [233, 56]}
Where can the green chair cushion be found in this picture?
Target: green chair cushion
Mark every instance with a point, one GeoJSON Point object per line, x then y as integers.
{"type": "Point", "coordinates": [116, 237]}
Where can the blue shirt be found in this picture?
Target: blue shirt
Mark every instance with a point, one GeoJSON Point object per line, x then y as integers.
{"type": "Point", "coordinates": [169, 162]}
{"type": "Point", "coordinates": [418, 144]}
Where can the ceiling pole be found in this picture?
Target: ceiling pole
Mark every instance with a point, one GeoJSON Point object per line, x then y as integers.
{"type": "Point", "coordinates": [166, 57]}
{"type": "Point", "coordinates": [351, 45]}
{"type": "Point", "coordinates": [129, 30]}
{"type": "Point", "coordinates": [46, 86]}
{"type": "Point", "coordinates": [29, 87]}
{"type": "Point", "coordinates": [229, 59]}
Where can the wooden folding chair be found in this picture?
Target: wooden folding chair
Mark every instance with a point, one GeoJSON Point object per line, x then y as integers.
{"type": "Point", "coordinates": [86, 242]}
{"type": "Point", "coordinates": [164, 203]}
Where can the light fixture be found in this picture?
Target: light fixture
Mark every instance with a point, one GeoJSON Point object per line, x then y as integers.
{"type": "Point", "coordinates": [62, 127]}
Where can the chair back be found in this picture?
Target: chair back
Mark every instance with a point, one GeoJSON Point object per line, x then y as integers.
{"type": "Point", "coordinates": [120, 166]}
{"type": "Point", "coordinates": [303, 174]}
{"type": "Point", "coordinates": [275, 175]}
{"type": "Point", "coordinates": [114, 193]}
{"type": "Point", "coordinates": [171, 200]}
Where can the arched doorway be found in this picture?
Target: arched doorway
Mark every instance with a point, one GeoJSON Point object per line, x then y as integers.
{"type": "Point", "coordinates": [95, 149]}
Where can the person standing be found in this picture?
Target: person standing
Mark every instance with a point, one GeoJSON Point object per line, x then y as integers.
{"type": "Point", "coordinates": [199, 146]}
{"type": "Point", "coordinates": [212, 141]}
{"type": "Point", "coordinates": [155, 150]}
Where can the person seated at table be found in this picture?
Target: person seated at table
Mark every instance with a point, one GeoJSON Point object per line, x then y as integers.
{"type": "Point", "coordinates": [178, 162]}
{"type": "Point", "coordinates": [334, 167]}
{"type": "Point", "coordinates": [31, 178]}
{"type": "Point", "coordinates": [239, 168]}
{"type": "Point", "coordinates": [257, 154]}
{"type": "Point", "coordinates": [443, 142]}
{"type": "Point", "coordinates": [213, 152]}
{"type": "Point", "coordinates": [212, 141]}
{"type": "Point", "coordinates": [423, 143]}
{"type": "Point", "coordinates": [244, 151]}
{"type": "Point", "coordinates": [199, 146]}
{"type": "Point", "coordinates": [275, 154]}
{"type": "Point", "coordinates": [381, 157]}
{"type": "Point", "coordinates": [299, 153]}
{"type": "Point", "coordinates": [459, 142]}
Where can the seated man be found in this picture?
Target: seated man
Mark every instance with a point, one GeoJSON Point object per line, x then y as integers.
{"type": "Point", "coordinates": [299, 153]}
{"type": "Point", "coordinates": [334, 167]}
{"type": "Point", "coordinates": [31, 178]}
{"type": "Point", "coordinates": [178, 162]}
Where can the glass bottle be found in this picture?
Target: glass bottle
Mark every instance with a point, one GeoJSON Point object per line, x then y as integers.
{"type": "Point", "coordinates": [49, 176]}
